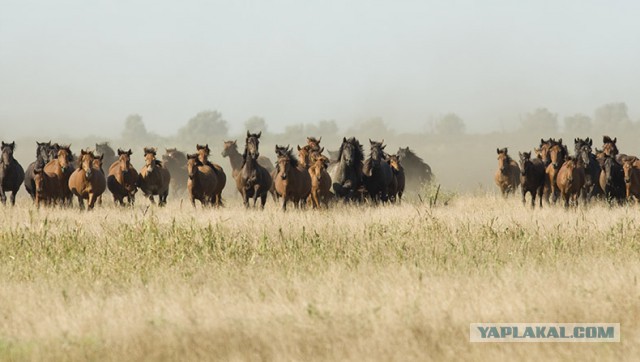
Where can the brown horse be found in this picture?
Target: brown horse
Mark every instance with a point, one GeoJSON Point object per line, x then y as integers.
{"type": "Point", "coordinates": [507, 176]}
{"type": "Point", "coordinates": [11, 173]}
{"type": "Point", "coordinates": [62, 168]}
{"type": "Point", "coordinates": [221, 177]}
{"type": "Point", "coordinates": [631, 167]}
{"type": "Point", "coordinates": [253, 180]}
{"type": "Point", "coordinates": [202, 183]}
{"type": "Point", "coordinates": [154, 178]}
{"type": "Point", "coordinates": [557, 153]}
{"type": "Point", "coordinates": [570, 180]}
{"type": "Point", "coordinates": [532, 178]}
{"type": "Point", "coordinates": [314, 143]}
{"type": "Point", "coordinates": [123, 178]}
{"type": "Point", "coordinates": [47, 188]}
{"type": "Point", "coordinates": [609, 146]}
{"type": "Point", "coordinates": [292, 181]}
{"type": "Point", "coordinates": [87, 181]}
{"type": "Point", "coordinates": [398, 174]}
{"type": "Point", "coordinates": [235, 158]}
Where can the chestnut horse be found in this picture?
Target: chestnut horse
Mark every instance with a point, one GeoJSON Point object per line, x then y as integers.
{"type": "Point", "coordinates": [570, 180]}
{"type": "Point", "coordinates": [316, 164]}
{"type": "Point", "coordinates": [87, 182]}
{"type": "Point", "coordinates": [123, 178]}
{"type": "Point", "coordinates": [46, 187]}
{"type": "Point", "coordinates": [11, 173]}
{"type": "Point", "coordinates": [202, 182]}
{"type": "Point", "coordinates": [631, 167]}
{"type": "Point", "coordinates": [507, 176]}
{"type": "Point", "coordinates": [61, 167]}
{"type": "Point", "coordinates": [154, 178]}
{"type": "Point", "coordinates": [292, 181]}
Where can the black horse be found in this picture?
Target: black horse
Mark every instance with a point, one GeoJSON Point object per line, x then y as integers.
{"type": "Point", "coordinates": [253, 180]}
{"type": "Point", "coordinates": [418, 172]}
{"type": "Point", "coordinates": [532, 177]}
{"type": "Point", "coordinates": [592, 168]}
{"type": "Point", "coordinates": [11, 173]}
{"type": "Point", "coordinates": [44, 154]}
{"type": "Point", "coordinates": [612, 180]}
{"type": "Point", "coordinates": [377, 175]}
{"type": "Point", "coordinates": [346, 173]}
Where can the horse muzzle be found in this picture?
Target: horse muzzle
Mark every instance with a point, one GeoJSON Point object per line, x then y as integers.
{"type": "Point", "coordinates": [283, 176]}
{"type": "Point", "coordinates": [627, 180]}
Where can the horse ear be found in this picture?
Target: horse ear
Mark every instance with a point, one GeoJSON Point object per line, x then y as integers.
{"type": "Point", "coordinates": [497, 150]}
{"type": "Point", "coordinates": [383, 147]}
{"type": "Point", "coordinates": [259, 134]}
{"type": "Point", "coordinates": [344, 139]}
{"type": "Point", "coordinates": [248, 134]}
{"type": "Point", "coordinates": [288, 147]}
{"type": "Point", "coordinates": [590, 141]}
{"type": "Point", "coordinates": [319, 139]}
{"type": "Point", "coordinates": [235, 142]}
{"type": "Point", "coordinates": [101, 157]}
{"type": "Point", "coordinates": [299, 146]}
{"type": "Point", "coordinates": [129, 152]}
{"type": "Point", "coordinates": [370, 141]}
{"type": "Point", "coordinates": [541, 140]}
{"type": "Point", "coordinates": [560, 140]}
{"type": "Point", "coordinates": [615, 139]}
{"type": "Point", "coordinates": [322, 149]}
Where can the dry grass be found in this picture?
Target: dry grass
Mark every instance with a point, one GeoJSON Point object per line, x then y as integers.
{"type": "Point", "coordinates": [400, 283]}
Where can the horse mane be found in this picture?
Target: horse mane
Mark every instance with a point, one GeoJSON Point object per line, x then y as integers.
{"type": "Point", "coordinates": [292, 159]}
{"type": "Point", "coordinates": [359, 151]}
{"type": "Point", "coordinates": [607, 139]}
{"type": "Point", "coordinates": [148, 150]}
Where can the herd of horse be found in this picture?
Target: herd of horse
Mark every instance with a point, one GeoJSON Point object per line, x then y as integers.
{"type": "Point", "coordinates": [310, 177]}
{"type": "Point", "coordinates": [553, 173]}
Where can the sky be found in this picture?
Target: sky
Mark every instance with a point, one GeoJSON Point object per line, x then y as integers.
{"type": "Point", "coordinates": [78, 67]}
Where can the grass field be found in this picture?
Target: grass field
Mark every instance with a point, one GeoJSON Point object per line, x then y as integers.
{"type": "Point", "coordinates": [364, 283]}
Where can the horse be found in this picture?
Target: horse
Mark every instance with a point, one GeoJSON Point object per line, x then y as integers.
{"type": "Point", "coordinates": [252, 179]}
{"type": "Point", "coordinates": [418, 172]}
{"type": "Point", "coordinates": [377, 174]}
{"type": "Point", "coordinates": [591, 167]}
{"type": "Point", "coordinates": [631, 168]}
{"type": "Point", "coordinates": [221, 177]}
{"type": "Point", "coordinates": [570, 180]}
{"type": "Point", "coordinates": [123, 178]}
{"type": "Point", "coordinates": [87, 182]}
{"type": "Point", "coordinates": [46, 187]}
{"type": "Point", "coordinates": [108, 154]}
{"type": "Point", "coordinates": [612, 179]}
{"type": "Point", "coordinates": [61, 166]}
{"type": "Point", "coordinates": [154, 178]}
{"type": "Point", "coordinates": [292, 181]}
{"type": "Point", "coordinates": [11, 173]}
{"type": "Point", "coordinates": [236, 159]}
{"type": "Point", "coordinates": [346, 173]}
{"type": "Point", "coordinates": [43, 156]}
{"type": "Point", "coordinates": [532, 178]}
{"type": "Point", "coordinates": [507, 176]}
{"type": "Point", "coordinates": [202, 181]}
{"type": "Point", "coordinates": [175, 162]}
{"type": "Point", "coordinates": [316, 164]}
{"type": "Point", "coordinates": [609, 146]}
{"type": "Point", "coordinates": [557, 154]}
{"type": "Point", "coordinates": [398, 173]}
{"type": "Point", "coordinates": [314, 143]}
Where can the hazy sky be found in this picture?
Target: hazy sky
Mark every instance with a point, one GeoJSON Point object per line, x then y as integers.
{"type": "Point", "coordinates": [80, 67]}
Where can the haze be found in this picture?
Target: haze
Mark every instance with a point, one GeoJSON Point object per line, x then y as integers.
{"type": "Point", "coordinates": [79, 67]}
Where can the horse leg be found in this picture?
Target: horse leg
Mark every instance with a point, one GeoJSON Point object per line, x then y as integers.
{"type": "Point", "coordinates": [263, 200]}
{"type": "Point", "coordinates": [13, 198]}
{"type": "Point", "coordinates": [540, 193]}
{"type": "Point", "coordinates": [81, 202]}
{"type": "Point", "coordinates": [92, 200]}
{"type": "Point", "coordinates": [524, 196]}
{"type": "Point", "coordinates": [3, 196]}
{"type": "Point", "coordinates": [284, 201]}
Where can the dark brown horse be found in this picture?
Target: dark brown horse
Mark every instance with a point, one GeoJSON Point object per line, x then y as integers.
{"type": "Point", "coordinates": [377, 174]}
{"type": "Point", "coordinates": [417, 171]}
{"type": "Point", "coordinates": [570, 180]}
{"type": "Point", "coordinates": [292, 181]}
{"type": "Point", "coordinates": [11, 173]}
{"type": "Point", "coordinates": [609, 146]}
{"type": "Point", "coordinates": [253, 180]}
{"type": "Point", "coordinates": [87, 182]}
{"type": "Point", "coordinates": [236, 160]}
{"type": "Point", "coordinates": [532, 177]}
{"type": "Point", "coordinates": [61, 166]}
{"type": "Point", "coordinates": [123, 178]}
{"type": "Point", "coordinates": [398, 174]}
{"type": "Point", "coordinates": [154, 178]}
{"type": "Point", "coordinates": [507, 176]}
{"type": "Point", "coordinates": [314, 143]}
{"type": "Point", "coordinates": [47, 188]}
{"type": "Point", "coordinates": [612, 180]}
{"type": "Point", "coordinates": [175, 162]}
{"type": "Point", "coordinates": [221, 177]}
{"type": "Point", "coordinates": [43, 156]}
{"type": "Point", "coordinates": [202, 183]}
{"type": "Point", "coordinates": [557, 154]}
{"type": "Point", "coordinates": [106, 152]}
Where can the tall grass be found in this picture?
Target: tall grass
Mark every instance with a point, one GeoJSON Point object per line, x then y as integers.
{"type": "Point", "coordinates": [397, 282]}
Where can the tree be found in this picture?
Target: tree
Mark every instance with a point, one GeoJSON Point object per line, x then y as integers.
{"type": "Point", "coordinates": [578, 124]}
{"type": "Point", "coordinates": [134, 129]}
{"type": "Point", "coordinates": [255, 124]}
{"type": "Point", "coordinates": [205, 127]}
{"type": "Point", "coordinates": [540, 121]}
{"type": "Point", "coordinates": [613, 117]}
{"type": "Point", "coordinates": [450, 125]}
{"type": "Point", "coordinates": [374, 128]}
